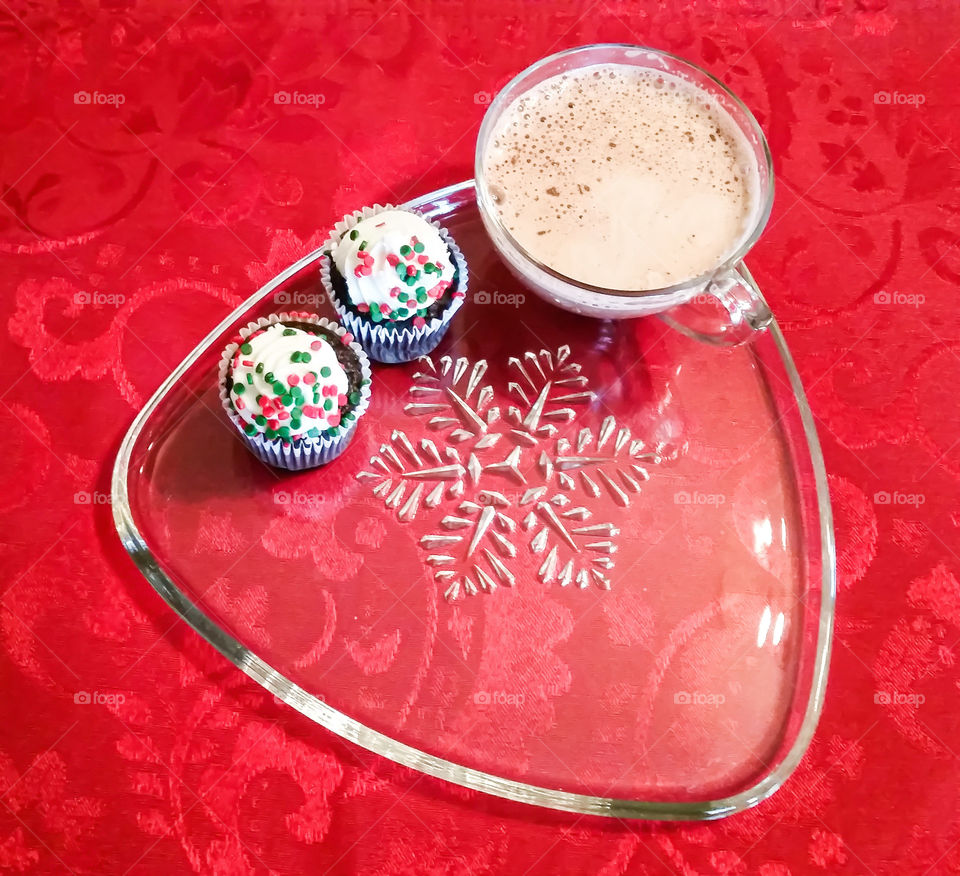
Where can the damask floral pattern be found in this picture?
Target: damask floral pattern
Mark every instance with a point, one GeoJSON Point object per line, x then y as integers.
{"type": "Point", "coordinates": [162, 160]}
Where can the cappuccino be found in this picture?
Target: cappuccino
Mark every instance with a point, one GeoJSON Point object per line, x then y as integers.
{"type": "Point", "coordinates": [622, 177]}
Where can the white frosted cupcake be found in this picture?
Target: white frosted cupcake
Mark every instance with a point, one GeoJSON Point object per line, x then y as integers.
{"type": "Point", "coordinates": [395, 280]}
{"type": "Point", "coordinates": [295, 386]}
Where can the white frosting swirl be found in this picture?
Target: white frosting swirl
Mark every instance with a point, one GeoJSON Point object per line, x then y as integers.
{"type": "Point", "coordinates": [376, 256]}
{"type": "Point", "coordinates": [287, 383]}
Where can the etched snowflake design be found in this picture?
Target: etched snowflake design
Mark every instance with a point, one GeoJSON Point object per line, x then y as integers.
{"type": "Point", "coordinates": [611, 461]}
{"type": "Point", "coordinates": [481, 528]}
{"type": "Point", "coordinates": [547, 384]}
{"type": "Point", "coordinates": [459, 405]}
{"type": "Point", "coordinates": [480, 536]}
{"type": "Point", "coordinates": [578, 549]}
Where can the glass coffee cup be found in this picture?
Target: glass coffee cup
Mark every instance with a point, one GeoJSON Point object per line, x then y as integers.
{"type": "Point", "coordinates": [722, 304]}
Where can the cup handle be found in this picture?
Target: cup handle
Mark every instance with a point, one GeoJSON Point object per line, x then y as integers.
{"type": "Point", "coordinates": [729, 311]}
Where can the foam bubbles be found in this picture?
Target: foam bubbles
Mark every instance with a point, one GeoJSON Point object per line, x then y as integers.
{"type": "Point", "coordinates": [622, 177]}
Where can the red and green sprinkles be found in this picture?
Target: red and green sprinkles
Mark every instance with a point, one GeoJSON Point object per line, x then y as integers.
{"type": "Point", "coordinates": [415, 290]}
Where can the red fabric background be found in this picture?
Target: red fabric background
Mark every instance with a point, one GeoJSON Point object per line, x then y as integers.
{"type": "Point", "coordinates": [128, 230]}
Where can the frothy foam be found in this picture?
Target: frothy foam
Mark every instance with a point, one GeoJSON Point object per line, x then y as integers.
{"type": "Point", "coordinates": [622, 177]}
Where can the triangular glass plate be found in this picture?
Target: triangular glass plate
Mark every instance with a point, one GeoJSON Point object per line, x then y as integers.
{"type": "Point", "coordinates": [582, 564]}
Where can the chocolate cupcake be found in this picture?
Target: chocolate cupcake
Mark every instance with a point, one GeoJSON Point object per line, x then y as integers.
{"type": "Point", "coordinates": [395, 280]}
{"type": "Point", "coordinates": [295, 386]}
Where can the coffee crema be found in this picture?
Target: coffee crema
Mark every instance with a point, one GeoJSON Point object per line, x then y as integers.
{"type": "Point", "coordinates": [622, 177]}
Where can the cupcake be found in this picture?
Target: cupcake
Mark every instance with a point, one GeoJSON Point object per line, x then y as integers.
{"type": "Point", "coordinates": [395, 280]}
{"type": "Point", "coordinates": [295, 386]}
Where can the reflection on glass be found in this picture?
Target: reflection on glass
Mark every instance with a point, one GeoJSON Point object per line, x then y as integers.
{"type": "Point", "coordinates": [766, 621]}
{"type": "Point", "coordinates": [762, 536]}
{"type": "Point", "coordinates": [764, 626]}
{"type": "Point", "coordinates": [778, 629]}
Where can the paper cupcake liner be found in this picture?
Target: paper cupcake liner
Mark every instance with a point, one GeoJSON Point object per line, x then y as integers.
{"type": "Point", "coordinates": [382, 341]}
{"type": "Point", "coordinates": [298, 453]}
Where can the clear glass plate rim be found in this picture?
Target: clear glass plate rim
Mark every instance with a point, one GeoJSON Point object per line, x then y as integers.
{"type": "Point", "coordinates": [355, 731]}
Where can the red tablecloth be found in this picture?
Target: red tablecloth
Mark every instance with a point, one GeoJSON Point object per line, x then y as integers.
{"type": "Point", "coordinates": [156, 156]}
